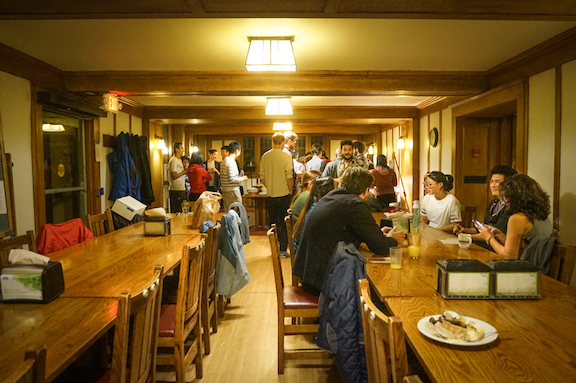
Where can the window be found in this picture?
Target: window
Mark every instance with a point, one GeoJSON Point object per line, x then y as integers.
{"type": "Point", "coordinates": [301, 145]}
{"type": "Point", "coordinates": [265, 144]}
{"type": "Point", "coordinates": [249, 151]}
{"type": "Point", "coordinates": [317, 140]}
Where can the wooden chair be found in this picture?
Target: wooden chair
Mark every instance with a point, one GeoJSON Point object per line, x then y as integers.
{"type": "Point", "coordinates": [180, 323]}
{"type": "Point", "coordinates": [34, 370]}
{"type": "Point", "coordinates": [8, 244]}
{"type": "Point", "coordinates": [293, 302]}
{"type": "Point", "coordinates": [209, 312]}
{"type": "Point", "coordinates": [100, 224]}
{"type": "Point", "coordinates": [384, 341]}
{"type": "Point", "coordinates": [290, 231]}
{"type": "Point", "coordinates": [468, 215]}
{"type": "Point", "coordinates": [135, 334]}
{"type": "Point", "coordinates": [562, 263]}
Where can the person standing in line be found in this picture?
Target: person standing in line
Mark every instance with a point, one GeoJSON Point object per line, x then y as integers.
{"type": "Point", "coordinates": [276, 172]}
{"type": "Point", "coordinates": [384, 181]}
{"type": "Point", "coordinates": [213, 167]}
{"type": "Point", "coordinates": [176, 179]}
{"type": "Point", "coordinates": [230, 178]}
{"type": "Point", "coordinates": [316, 162]}
{"type": "Point", "coordinates": [197, 176]}
{"type": "Point", "coordinates": [290, 147]}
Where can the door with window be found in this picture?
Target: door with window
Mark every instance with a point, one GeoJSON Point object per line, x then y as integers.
{"type": "Point", "coordinates": [64, 167]}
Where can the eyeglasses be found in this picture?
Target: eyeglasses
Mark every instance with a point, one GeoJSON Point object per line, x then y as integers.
{"type": "Point", "coordinates": [430, 185]}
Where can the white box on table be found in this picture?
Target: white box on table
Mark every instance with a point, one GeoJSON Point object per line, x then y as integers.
{"type": "Point", "coordinates": [128, 207]}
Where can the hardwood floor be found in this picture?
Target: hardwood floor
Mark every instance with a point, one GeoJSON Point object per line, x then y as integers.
{"type": "Point", "coordinates": [245, 347]}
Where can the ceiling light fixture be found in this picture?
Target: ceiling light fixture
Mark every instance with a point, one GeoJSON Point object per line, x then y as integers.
{"type": "Point", "coordinates": [271, 54]}
{"type": "Point", "coordinates": [283, 126]}
{"type": "Point", "coordinates": [276, 106]}
{"type": "Point", "coordinates": [53, 128]}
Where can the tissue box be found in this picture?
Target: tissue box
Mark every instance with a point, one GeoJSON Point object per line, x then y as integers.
{"type": "Point", "coordinates": [31, 283]}
{"type": "Point", "coordinates": [463, 279]}
{"type": "Point", "coordinates": [128, 207]}
{"type": "Point", "coordinates": [157, 226]}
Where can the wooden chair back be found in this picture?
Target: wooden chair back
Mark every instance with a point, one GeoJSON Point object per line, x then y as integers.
{"type": "Point", "coordinates": [290, 231]}
{"type": "Point", "coordinates": [100, 224]}
{"type": "Point", "coordinates": [276, 265]}
{"type": "Point", "coordinates": [209, 301]}
{"type": "Point", "coordinates": [190, 285]}
{"type": "Point", "coordinates": [468, 215]}
{"type": "Point", "coordinates": [34, 370]}
{"type": "Point", "coordinates": [135, 333]}
{"type": "Point", "coordinates": [562, 263]}
{"type": "Point", "coordinates": [384, 341]}
{"type": "Point", "coordinates": [18, 242]}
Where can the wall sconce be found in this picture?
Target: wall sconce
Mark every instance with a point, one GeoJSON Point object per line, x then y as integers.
{"type": "Point", "coordinates": [53, 128]}
{"type": "Point", "coordinates": [278, 106]}
{"type": "Point", "coordinates": [195, 149]}
{"type": "Point", "coordinates": [271, 54]}
{"type": "Point", "coordinates": [371, 150]}
{"type": "Point", "coordinates": [161, 143]}
{"type": "Point", "coordinates": [283, 126]}
{"type": "Point", "coordinates": [401, 143]}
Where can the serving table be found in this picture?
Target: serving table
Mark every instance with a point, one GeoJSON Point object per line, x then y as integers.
{"type": "Point", "coordinates": [260, 221]}
{"type": "Point", "coordinates": [536, 343]}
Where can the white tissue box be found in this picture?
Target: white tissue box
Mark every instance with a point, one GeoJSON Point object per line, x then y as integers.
{"type": "Point", "coordinates": [128, 207]}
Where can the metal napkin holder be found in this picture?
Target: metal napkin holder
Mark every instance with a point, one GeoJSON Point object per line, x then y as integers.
{"type": "Point", "coordinates": [157, 226]}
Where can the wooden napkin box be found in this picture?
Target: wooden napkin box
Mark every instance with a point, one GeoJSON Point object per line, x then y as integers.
{"type": "Point", "coordinates": [157, 226]}
{"type": "Point", "coordinates": [29, 283]}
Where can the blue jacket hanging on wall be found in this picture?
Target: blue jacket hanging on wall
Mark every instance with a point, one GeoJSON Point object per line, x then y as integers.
{"type": "Point", "coordinates": [125, 180]}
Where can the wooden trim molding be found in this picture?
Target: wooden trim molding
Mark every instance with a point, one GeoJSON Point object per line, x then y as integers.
{"type": "Point", "coordinates": [493, 97]}
{"type": "Point", "coordinates": [37, 162]}
{"type": "Point", "coordinates": [557, 149]}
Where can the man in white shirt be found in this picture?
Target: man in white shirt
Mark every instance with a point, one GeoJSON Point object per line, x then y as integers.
{"type": "Point", "coordinates": [176, 180]}
{"type": "Point", "coordinates": [317, 162]}
{"type": "Point", "coordinates": [276, 174]}
{"type": "Point", "coordinates": [230, 178]}
{"type": "Point", "coordinates": [289, 147]}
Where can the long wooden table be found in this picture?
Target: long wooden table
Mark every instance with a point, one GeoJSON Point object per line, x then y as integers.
{"type": "Point", "coordinates": [537, 341]}
{"type": "Point", "coordinates": [96, 272]}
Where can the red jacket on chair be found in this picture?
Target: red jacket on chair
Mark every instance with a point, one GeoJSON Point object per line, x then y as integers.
{"type": "Point", "coordinates": [59, 236]}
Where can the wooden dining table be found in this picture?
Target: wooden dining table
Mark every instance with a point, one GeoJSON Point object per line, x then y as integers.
{"type": "Point", "coordinates": [536, 338]}
{"type": "Point", "coordinates": [95, 272]}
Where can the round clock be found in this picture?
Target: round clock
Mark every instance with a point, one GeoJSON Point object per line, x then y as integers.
{"type": "Point", "coordinates": [434, 137]}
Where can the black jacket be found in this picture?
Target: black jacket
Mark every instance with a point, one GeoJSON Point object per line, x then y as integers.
{"type": "Point", "coordinates": [215, 176]}
{"type": "Point", "coordinates": [338, 216]}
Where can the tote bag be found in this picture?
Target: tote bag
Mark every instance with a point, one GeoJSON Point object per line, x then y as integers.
{"type": "Point", "coordinates": [205, 208]}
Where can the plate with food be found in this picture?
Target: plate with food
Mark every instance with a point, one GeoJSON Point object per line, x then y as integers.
{"type": "Point", "coordinates": [455, 329]}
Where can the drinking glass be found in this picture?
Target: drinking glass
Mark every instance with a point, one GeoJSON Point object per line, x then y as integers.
{"type": "Point", "coordinates": [396, 257]}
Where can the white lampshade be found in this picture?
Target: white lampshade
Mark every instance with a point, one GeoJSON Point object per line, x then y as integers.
{"type": "Point", "coordinates": [161, 144]}
{"type": "Point", "coordinates": [270, 54]}
{"type": "Point", "coordinates": [53, 128]}
{"type": "Point", "coordinates": [401, 143]}
{"type": "Point", "coordinates": [278, 106]}
{"type": "Point", "coordinates": [283, 126]}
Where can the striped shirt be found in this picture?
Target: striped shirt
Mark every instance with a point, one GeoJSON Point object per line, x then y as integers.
{"type": "Point", "coordinates": [229, 175]}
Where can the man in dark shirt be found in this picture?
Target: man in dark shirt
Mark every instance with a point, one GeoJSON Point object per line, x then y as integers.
{"type": "Point", "coordinates": [341, 215]}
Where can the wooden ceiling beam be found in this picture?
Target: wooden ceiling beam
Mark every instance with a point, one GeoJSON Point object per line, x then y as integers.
{"type": "Point", "coordinates": [301, 83]}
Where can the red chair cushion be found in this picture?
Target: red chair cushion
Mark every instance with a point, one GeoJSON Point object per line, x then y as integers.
{"type": "Point", "coordinates": [296, 298]}
{"type": "Point", "coordinates": [167, 321]}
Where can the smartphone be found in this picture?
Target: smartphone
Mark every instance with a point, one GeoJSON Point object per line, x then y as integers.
{"type": "Point", "coordinates": [478, 223]}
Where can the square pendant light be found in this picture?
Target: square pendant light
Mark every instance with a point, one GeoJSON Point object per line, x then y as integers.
{"type": "Point", "coordinates": [53, 128]}
{"type": "Point", "coordinates": [278, 106]}
{"type": "Point", "coordinates": [283, 126]}
{"type": "Point", "coordinates": [271, 54]}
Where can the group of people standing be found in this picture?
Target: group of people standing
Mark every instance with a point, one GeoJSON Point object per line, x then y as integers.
{"type": "Point", "coordinates": [190, 177]}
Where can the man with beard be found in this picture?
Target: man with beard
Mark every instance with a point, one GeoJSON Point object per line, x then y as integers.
{"type": "Point", "coordinates": [347, 150]}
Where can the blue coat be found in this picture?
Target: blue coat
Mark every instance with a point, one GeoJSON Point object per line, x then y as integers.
{"type": "Point", "coordinates": [231, 271]}
{"type": "Point", "coordinates": [341, 331]}
{"type": "Point", "coordinates": [125, 179]}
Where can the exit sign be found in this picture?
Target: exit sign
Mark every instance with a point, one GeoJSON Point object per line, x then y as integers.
{"type": "Point", "coordinates": [111, 103]}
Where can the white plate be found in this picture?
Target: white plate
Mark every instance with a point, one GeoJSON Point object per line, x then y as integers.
{"type": "Point", "coordinates": [492, 333]}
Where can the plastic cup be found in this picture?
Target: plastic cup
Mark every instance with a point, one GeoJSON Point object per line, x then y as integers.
{"type": "Point", "coordinates": [464, 240]}
{"type": "Point", "coordinates": [396, 257]}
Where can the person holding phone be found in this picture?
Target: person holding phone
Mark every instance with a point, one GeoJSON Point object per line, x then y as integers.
{"type": "Point", "coordinates": [529, 207]}
{"type": "Point", "coordinates": [496, 213]}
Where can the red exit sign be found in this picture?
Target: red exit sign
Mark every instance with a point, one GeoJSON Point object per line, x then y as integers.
{"type": "Point", "coordinates": [111, 103]}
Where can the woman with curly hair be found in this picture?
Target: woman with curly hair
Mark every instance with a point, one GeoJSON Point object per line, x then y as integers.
{"type": "Point", "coordinates": [529, 206]}
{"type": "Point", "coordinates": [441, 210]}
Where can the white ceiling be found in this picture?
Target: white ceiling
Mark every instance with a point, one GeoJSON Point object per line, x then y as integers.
{"type": "Point", "coordinates": [319, 44]}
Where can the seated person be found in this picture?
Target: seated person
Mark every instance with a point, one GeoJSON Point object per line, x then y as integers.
{"type": "Point", "coordinates": [341, 215]}
{"type": "Point", "coordinates": [301, 197]}
{"type": "Point", "coordinates": [441, 210]}
{"type": "Point", "coordinates": [496, 214]}
{"type": "Point", "coordinates": [529, 207]}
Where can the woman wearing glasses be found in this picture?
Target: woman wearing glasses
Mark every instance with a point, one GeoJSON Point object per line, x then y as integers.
{"type": "Point", "coordinates": [441, 210]}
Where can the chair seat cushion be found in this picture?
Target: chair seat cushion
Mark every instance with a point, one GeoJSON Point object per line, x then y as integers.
{"type": "Point", "coordinates": [167, 321]}
{"type": "Point", "coordinates": [296, 298]}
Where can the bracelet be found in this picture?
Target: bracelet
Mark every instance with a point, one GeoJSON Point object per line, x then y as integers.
{"type": "Point", "coordinates": [488, 239]}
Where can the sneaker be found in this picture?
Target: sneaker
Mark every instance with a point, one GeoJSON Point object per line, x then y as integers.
{"type": "Point", "coordinates": [284, 254]}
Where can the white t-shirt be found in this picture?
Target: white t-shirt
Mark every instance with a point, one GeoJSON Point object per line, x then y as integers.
{"type": "Point", "coordinates": [175, 166]}
{"type": "Point", "coordinates": [441, 212]}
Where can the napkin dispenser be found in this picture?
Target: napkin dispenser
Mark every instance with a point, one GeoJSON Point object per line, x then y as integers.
{"type": "Point", "coordinates": [31, 283]}
{"type": "Point", "coordinates": [463, 279]}
{"type": "Point", "coordinates": [515, 279]}
{"type": "Point", "coordinates": [157, 226]}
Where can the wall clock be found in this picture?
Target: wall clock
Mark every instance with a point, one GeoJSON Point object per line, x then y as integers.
{"type": "Point", "coordinates": [434, 137]}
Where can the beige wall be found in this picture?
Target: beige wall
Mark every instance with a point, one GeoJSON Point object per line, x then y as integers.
{"type": "Point", "coordinates": [15, 109]}
{"type": "Point", "coordinates": [446, 142]}
{"type": "Point", "coordinates": [568, 155]}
